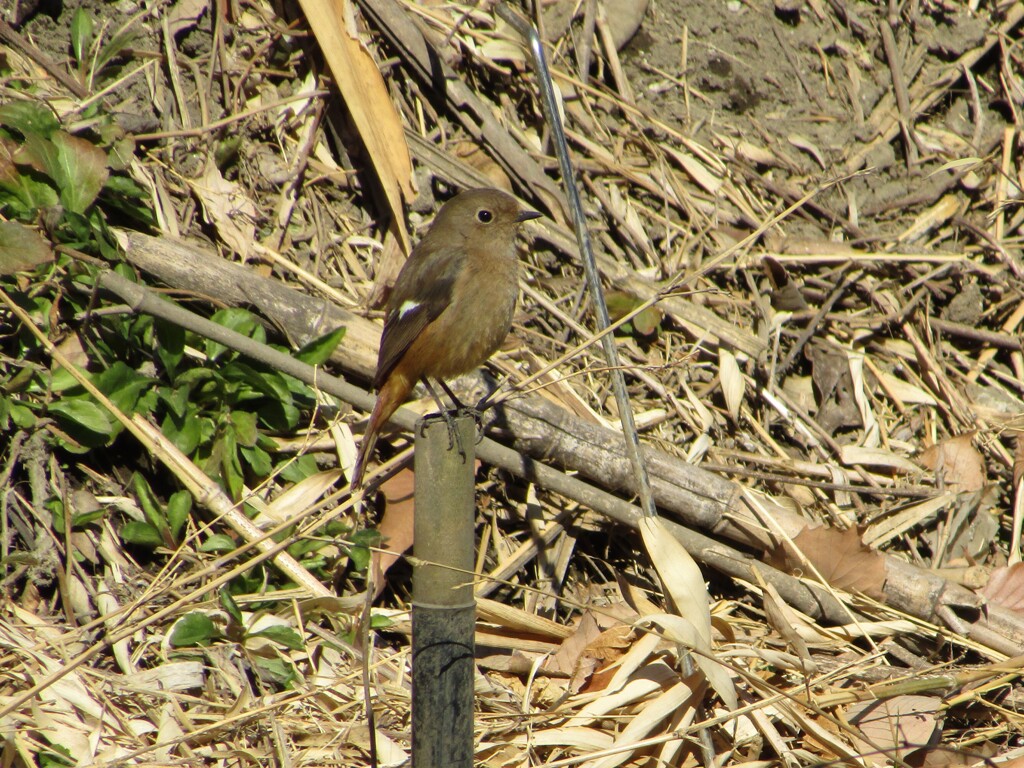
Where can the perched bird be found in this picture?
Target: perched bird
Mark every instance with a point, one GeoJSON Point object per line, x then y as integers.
{"type": "Point", "coordinates": [452, 303]}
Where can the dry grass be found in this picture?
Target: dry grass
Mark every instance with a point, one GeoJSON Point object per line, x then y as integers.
{"type": "Point", "coordinates": [854, 366]}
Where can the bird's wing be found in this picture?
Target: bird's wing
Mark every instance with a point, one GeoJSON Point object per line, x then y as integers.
{"type": "Point", "coordinates": [422, 292]}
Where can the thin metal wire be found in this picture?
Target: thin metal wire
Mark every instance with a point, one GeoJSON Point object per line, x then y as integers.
{"type": "Point", "coordinates": [611, 355]}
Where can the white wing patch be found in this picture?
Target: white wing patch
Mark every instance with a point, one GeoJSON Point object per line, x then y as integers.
{"type": "Point", "coordinates": [407, 307]}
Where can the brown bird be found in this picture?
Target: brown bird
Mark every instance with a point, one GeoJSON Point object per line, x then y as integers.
{"type": "Point", "coordinates": [452, 303]}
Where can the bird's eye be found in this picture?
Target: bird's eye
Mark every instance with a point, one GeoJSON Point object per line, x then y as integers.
{"type": "Point", "coordinates": [484, 216]}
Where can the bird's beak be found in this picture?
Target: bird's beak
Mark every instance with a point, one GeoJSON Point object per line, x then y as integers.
{"type": "Point", "coordinates": [527, 215]}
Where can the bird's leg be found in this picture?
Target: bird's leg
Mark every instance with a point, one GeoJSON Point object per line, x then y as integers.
{"type": "Point", "coordinates": [448, 391]}
{"type": "Point", "coordinates": [446, 414]}
{"type": "Point", "coordinates": [468, 410]}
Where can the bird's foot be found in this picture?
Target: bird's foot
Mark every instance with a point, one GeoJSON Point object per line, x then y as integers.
{"type": "Point", "coordinates": [454, 437]}
{"type": "Point", "coordinates": [476, 416]}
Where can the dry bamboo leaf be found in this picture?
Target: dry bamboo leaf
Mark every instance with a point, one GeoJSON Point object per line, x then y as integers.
{"type": "Point", "coordinates": [906, 392]}
{"type": "Point", "coordinates": [958, 462]}
{"type": "Point", "coordinates": [641, 684]}
{"type": "Point", "coordinates": [1006, 587]}
{"type": "Point", "coordinates": [872, 437]}
{"type": "Point", "coordinates": [389, 752]}
{"type": "Point", "coordinates": [368, 102]}
{"type": "Point", "coordinates": [1018, 460]}
{"type": "Point", "coordinates": [227, 207]}
{"type": "Point", "coordinates": [502, 45]}
{"type": "Point", "coordinates": [682, 631]}
{"type": "Point", "coordinates": [932, 219]}
{"type": "Point", "coordinates": [583, 739]}
{"type": "Point", "coordinates": [625, 212]}
{"type": "Point", "coordinates": [680, 575]}
{"type": "Point", "coordinates": [471, 153]}
{"type": "Point", "coordinates": [732, 381]}
{"type": "Point", "coordinates": [705, 178]}
{"type": "Point", "coordinates": [784, 620]}
{"type": "Point", "coordinates": [838, 556]}
{"type": "Point", "coordinates": [651, 714]}
{"type": "Point", "coordinates": [876, 457]}
{"type": "Point", "coordinates": [298, 497]}
{"type": "Point", "coordinates": [899, 523]}
{"type": "Point", "coordinates": [808, 146]}
{"type": "Point", "coordinates": [185, 14]}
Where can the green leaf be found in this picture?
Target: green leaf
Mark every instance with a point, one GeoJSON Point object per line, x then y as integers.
{"type": "Point", "coordinates": [23, 195]}
{"type": "Point", "coordinates": [276, 670]}
{"type": "Point", "coordinates": [83, 414]}
{"type": "Point", "coordinates": [114, 47]}
{"type": "Point", "coordinates": [61, 381]}
{"type": "Point", "coordinates": [77, 167]}
{"type": "Point", "coordinates": [29, 118]}
{"type": "Point", "coordinates": [185, 432]}
{"type": "Point", "coordinates": [280, 416]}
{"type": "Point", "coordinates": [170, 348]}
{"type": "Point", "coordinates": [217, 544]}
{"type": "Point", "coordinates": [227, 602]}
{"type": "Point", "coordinates": [82, 519]}
{"type": "Point", "coordinates": [22, 416]}
{"type": "Point", "coordinates": [122, 385]}
{"type": "Point", "coordinates": [58, 758]}
{"type": "Point", "coordinates": [147, 500]}
{"type": "Point", "coordinates": [56, 508]}
{"type": "Point", "coordinates": [244, 424]}
{"type": "Point", "coordinates": [191, 630]}
{"type": "Point", "coordinates": [285, 636]}
{"type": "Point", "coordinates": [262, 382]}
{"type": "Point", "coordinates": [300, 469]}
{"type": "Point", "coordinates": [81, 34]}
{"type": "Point", "coordinates": [239, 320]}
{"type": "Point", "coordinates": [142, 534]}
{"type": "Point", "coordinates": [258, 460]}
{"type": "Point", "coordinates": [178, 508]}
{"type": "Point", "coordinates": [21, 248]}
{"type": "Point", "coordinates": [176, 400]}
{"type": "Point", "coordinates": [231, 467]}
{"type": "Point", "coordinates": [319, 351]}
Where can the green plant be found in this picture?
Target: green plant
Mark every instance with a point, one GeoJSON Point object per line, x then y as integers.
{"type": "Point", "coordinates": [93, 51]}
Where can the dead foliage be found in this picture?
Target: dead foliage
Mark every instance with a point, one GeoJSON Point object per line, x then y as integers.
{"type": "Point", "coordinates": [813, 208]}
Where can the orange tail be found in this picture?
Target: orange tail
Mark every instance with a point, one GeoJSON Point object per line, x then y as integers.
{"type": "Point", "coordinates": [394, 392]}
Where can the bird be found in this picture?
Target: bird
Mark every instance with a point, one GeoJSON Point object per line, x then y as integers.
{"type": "Point", "coordinates": [451, 306]}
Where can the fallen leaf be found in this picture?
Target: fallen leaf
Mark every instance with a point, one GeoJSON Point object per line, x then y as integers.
{"type": "Point", "coordinates": [731, 377]}
{"type": "Point", "coordinates": [957, 462]}
{"type": "Point", "coordinates": [581, 652]}
{"type": "Point", "coordinates": [1006, 587]}
{"type": "Point", "coordinates": [21, 248]}
{"type": "Point", "coordinates": [839, 556]}
{"type": "Point", "coordinates": [896, 726]}
{"type": "Point", "coordinates": [396, 526]}
{"type": "Point", "coordinates": [228, 208]}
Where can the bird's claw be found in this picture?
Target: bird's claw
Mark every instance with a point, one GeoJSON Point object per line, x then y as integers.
{"type": "Point", "coordinates": [476, 416]}
{"type": "Point", "coordinates": [454, 438]}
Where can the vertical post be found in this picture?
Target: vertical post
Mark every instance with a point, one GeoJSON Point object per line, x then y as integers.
{"type": "Point", "coordinates": [443, 608]}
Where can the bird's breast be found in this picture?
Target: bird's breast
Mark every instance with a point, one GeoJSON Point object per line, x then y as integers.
{"type": "Point", "coordinates": [479, 317]}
